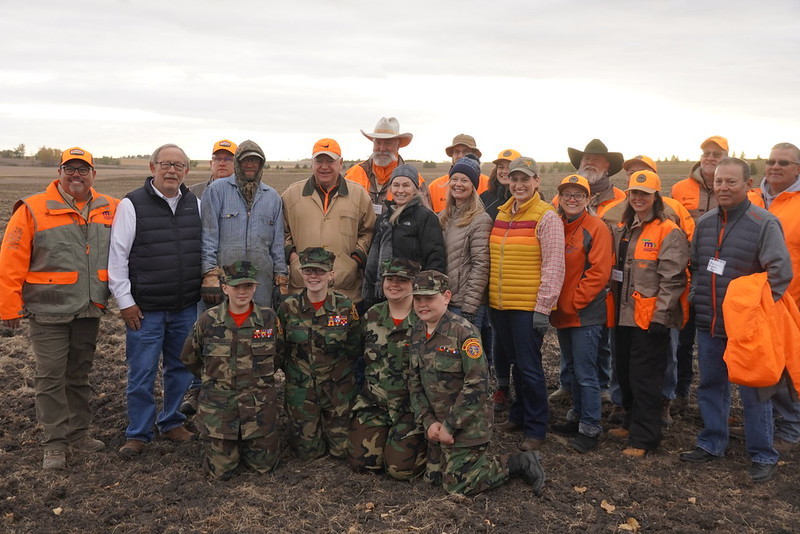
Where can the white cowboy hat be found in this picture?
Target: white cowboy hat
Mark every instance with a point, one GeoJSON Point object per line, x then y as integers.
{"type": "Point", "coordinates": [389, 128]}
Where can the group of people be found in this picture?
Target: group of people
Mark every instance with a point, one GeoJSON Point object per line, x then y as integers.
{"type": "Point", "coordinates": [385, 301]}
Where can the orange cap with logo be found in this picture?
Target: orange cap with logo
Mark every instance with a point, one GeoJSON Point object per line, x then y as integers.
{"type": "Point", "coordinates": [576, 180]}
{"type": "Point", "coordinates": [224, 144]}
{"type": "Point", "coordinates": [508, 154]}
{"type": "Point", "coordinates": [718, 140]}
{"type": "Point", "coordinates": [646, 181]}
{"type": "Point", "coordinates": [328, 147]}
{"type": "Point", "coordinates": [644, 159]}
{"type": "Point", "coordinates": [77, 152]}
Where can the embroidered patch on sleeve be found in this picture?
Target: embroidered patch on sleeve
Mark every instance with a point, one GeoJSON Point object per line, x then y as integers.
{"type": "Point", "coordinates": [472, 347]}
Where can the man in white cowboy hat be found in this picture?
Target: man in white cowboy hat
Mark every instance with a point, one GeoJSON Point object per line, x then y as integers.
{"type": "Point", "coordinates": [374, 173]}
{"type": "Point", "coordinates": [462, 145]}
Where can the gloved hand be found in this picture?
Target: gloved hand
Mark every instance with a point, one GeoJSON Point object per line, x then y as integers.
{"type": "Point", "coordinates": [281, 281]}
{"type": "Point", "coordinates": [541, 322]}
{"type": "Point", "coordinates": [469, 317]}
{"type": "Point", "coordinates": [210, 290]}
{"type": "Point", "coordinates": [657, 329]}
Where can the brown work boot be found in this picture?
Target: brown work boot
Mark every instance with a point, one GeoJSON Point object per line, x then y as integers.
{"type": "Point", "coordinates": [189, 405]}
{"type": "Point", "coordinates": [87, 444]}
{"type": "Point", "coordinates": [561, 395]}
{"type": "Point", "coordinates": [131, 449]}
{"type": "Point", "coordinates": [531, 444]}
{"type": "Point", "coordinates": [55, 459]}
{"type": "Point", "coordinates": [618, 433]}
{"type": "Point", "coordinates": [666, 418]}
{"type": "Point", "coordinates": [509, 427]}
{"type": "Point", "coordinates": [633, 452]}
{"type": "Point", "coordinates": [178, 434]}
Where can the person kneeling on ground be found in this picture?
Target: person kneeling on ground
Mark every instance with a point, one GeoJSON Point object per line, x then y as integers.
{"type": "Point", "coordinates": [232, 349]}
{"type": "Point", "coordinates": [448, 381]}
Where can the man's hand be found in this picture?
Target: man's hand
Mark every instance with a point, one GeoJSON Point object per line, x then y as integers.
{"type": "Point", "coordinates": [293, 257]}
{"type": "Point", "coordinates": [210, 290]}
{"type": "Point", "coordinates": [12, 323]}
{"type": "Point", "coordinates": [445, 437]}
{"type": "Point", "coordinates": [282, 283]}
{"type": "Point", "coordinates": [132, 317]}
{"type": "Point", "coordinates": [433, 431]}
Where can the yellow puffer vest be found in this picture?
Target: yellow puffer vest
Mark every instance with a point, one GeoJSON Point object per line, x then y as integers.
{"type": "Point", "coordinates": [516, 270]}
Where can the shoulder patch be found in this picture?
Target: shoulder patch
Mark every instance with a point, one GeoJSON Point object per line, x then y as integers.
{"type": "Point", "coordinates": [354, 312]}
{"type": "Point", "coordinates": [472, 346]}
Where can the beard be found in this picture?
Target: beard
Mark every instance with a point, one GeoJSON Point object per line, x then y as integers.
{"type": "Point", "coordinates": [593, 176]}
{"type": "Point", "coordinates": [383, 159]}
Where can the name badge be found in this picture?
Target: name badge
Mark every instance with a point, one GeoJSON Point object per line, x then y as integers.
{"type": "Point", "coordinates": [716, 266]}
{"type": "Point", "coordinates": [616, 275]}
{"type": "Point", "coordinates": [377, 208]}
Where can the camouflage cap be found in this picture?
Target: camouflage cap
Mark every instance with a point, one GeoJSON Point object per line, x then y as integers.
{"type": "Point", "coordinates": [239, 272]}
{"type": "Point", "coordinates": [317, 257]}
{"type": "Point", "coordinates": [431, 283]}
{"type": "Point", "coordinates": [401, 267]}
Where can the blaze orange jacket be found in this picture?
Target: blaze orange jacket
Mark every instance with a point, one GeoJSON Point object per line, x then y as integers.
{"type": "Point", "coordinates": [612, 214]}
{"type": "Point", "coordinates": [601, 203]}
{"type": "Point", "coordinates": [693, 193]}
{"type": "Point", "coordinates": [438, 190]}
{"type": "Point", "coordinates": [376, 182]}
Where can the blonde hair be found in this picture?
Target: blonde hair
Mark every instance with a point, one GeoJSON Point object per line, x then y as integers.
{"type": "Point", "coordinates": [473, 208]}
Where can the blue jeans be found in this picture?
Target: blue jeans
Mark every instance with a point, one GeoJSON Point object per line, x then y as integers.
{"type": "Point", "coordinates": [161, 333]}
{"type": "Point", "coordinates": [604, 370]}
{"type": "Point", "coordinates": [579, 352]}
{"type": "Point", "coordinates": [521, 346]}
{"type": "Point", "coordinates": [787, 416]}
{"type": "Point", "coordinates": [714, 401]}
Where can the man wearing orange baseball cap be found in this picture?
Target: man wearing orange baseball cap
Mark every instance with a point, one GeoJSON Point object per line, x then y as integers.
{"type": "Point", "coordinates": [221, 165]}
{"type": "Point", "coordinates": [462, 145]}
{"type": "Point", "coordinates": [328, 211]}
{"type": "Point", "coordinates": [55, 263]}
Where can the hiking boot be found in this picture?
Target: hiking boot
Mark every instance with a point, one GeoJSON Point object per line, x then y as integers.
{"type": "Point", "coordinates": [561, 395]}
{"type": "Point", "coordinates": [679, 405]}
{"type": "Point", "coordinates": [618, 433]}
{"type": "Point", "coordinates": [131, 449]}
{"type": "Point", "coordinates": [697, 456]}
{"type": "Point", "coordinates": [783, 446]}
{"type": "Point", "coordinates": [633, 452]}
{"type": "Point", "coordinates": [583, 443]}
{"type": "Point", "coordinates": [617, 415]}
{"type": "Point", "coordinates": [178, 434]}
{"type": "Point", "coordinates": [528, 466]}
{"type": "Point", "coordinates": [531, 444]}
{"type": "Point", "coordinates": [54, 459]}
{"type": "Point", "coordinates": [509, 427]}
{"type": "Point", "coordinates": [570, 428]}
{"type": "Point", "coordinates": [666, 418]}
{"type": "Point", "coordinates": [762, 472]}
{"type": "Point", "coordinates": [501, 400]}
{"type": "Point", "coordinates": [87, 444]}
{"type": "Point", "coordinates": [189, 405]}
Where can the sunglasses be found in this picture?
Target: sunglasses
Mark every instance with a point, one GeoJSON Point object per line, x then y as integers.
{"type": "Point", "coordinates": [781, 162]}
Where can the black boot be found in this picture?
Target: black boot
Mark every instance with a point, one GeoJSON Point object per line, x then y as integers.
{"type": "Point", "coordinates": [528, 466]}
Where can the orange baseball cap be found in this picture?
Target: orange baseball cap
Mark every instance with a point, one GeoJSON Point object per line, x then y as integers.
{"type": "Point", "coordinates": [77, 152]}
{"type": "Point", "coordinates": [718, 139]}
{"type": "Point", "coordinates": [644, 159]}
{"type": "Point", "coordinates": [577, 180]}
{"type": "Point", "coordinates": [328, 147]}
{"type": "Point", "coordinates": [646, 181]}
{"type": "Point", "coordinates": [224, 144]}
{"type": "Point", "coordinates": [508, 154]}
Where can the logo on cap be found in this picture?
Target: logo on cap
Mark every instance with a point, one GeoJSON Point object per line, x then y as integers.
{"type": "Point", "coordinates": [641, 178]}
{"type": "Point", "coordinates": [638, 157]}
{"type": "Point", "coordinates": [224, 143]}
{"type": "Point", "coordinates": [573, 179]}
{"type": "Point", "coordinates": [507, 153]}
{"type": "Point", "coordinates": [77, 152]}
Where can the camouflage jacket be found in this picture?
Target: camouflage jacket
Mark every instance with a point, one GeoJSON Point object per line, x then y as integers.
{"type": "Point", "coordinates": [386, 356]}
{"type": "Point", "coordinates": [449, 380]}
{"type": "Point", "coordinates": [318, 345]}
{"type": "Point", "coordinates": [237, 368]}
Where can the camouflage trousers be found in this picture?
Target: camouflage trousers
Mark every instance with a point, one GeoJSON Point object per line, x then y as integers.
{"type": "Point", "coordinates": [465, 470]}
{"type": "Point", "coordinates": [319, 417]}
{"type": "Point", "coordinates": [222, 456]}
{"type": "Point", "coordinates": [379, 441]}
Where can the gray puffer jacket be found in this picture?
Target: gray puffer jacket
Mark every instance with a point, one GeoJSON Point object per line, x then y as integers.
{"type": "Point", "coordinates": [468, 261]}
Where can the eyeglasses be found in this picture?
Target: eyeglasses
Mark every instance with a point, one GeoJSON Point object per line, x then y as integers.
{"type": "Point", "coordinates": [165, 165]}
{"type": "Point", "coordinates": [578, 197]}
{"type": "Point", "coordinates": [69, 171]}
{"type": "Point", "coordinates": [708, 154]}
{"type": "Point", "coordinates": [308, 271]}
{"type": "Point", "coordinates": [781, 162]}
{"type": "Point", "coordinates": [226, 159]}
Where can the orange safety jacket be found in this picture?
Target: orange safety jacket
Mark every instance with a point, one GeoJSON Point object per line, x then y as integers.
{"type": "Point", "coordinates": [612, 214]}
{"type": "Point", "coordinates": [438, 190]}
{"type": "Point", "coordinates": [693, 193]}
{"type": "Point", "coordinates": [55, 262]}
{"type": "Point", "coordinates": [376, 181]}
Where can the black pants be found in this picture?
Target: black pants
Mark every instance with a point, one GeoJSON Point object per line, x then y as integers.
{"type": "Point", "coordinates": [640, 362]}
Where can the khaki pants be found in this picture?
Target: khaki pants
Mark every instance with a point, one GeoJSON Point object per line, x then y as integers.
{"type": "Point", "coordinates": [64, 354]}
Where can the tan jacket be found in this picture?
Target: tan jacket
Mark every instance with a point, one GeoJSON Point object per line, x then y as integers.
{"type": "Point", "coordinates": [468, 261]}
{"type": "Point", "coordinates": [345, 229]}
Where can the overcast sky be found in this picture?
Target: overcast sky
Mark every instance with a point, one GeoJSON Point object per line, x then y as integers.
{"type": "Point", "coordinates": [124, 76]}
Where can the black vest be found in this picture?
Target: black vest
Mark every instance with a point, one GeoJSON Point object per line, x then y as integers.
{"type": "Point", "coordinates": [164, 262]}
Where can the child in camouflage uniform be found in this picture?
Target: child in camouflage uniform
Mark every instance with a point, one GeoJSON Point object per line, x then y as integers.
{"type": "Point", "coordinates": [319, 345]}
{"type": "Point", "coordinates": [449, 392]}
{"type": "Point", "coordinates": [383, 432]}
{"type": "Point", "coordinates": [232, 349]}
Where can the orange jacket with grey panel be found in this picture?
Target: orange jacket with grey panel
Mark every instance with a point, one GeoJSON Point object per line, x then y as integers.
{"type": "Point", "coordinates": [516, 257]}
{"type": "Point", "coordinates": [438, 190]}
{"type": "Point", "coordinates": [589, 257]}
{"type": "Point", "coordinates": [673, 209]}
{"type": "Point", "coordinates": [693, 193]}
{"type": "Point", "coordinates": [54, 261]}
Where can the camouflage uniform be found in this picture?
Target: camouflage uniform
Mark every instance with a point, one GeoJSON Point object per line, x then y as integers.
{"type": "Point", "coordinates": [448, 382]}
{"type": "Point", "coordinates": [383, 432]}
{"type": "Point", "coordinates": [237, 406]}
{"type": "Point", "coordinates": [319, 349]}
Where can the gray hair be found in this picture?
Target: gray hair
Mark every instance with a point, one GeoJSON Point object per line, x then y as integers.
{"type": "Point", "coordinates": [736, 162]}
{"type": "Point", "coordinates": [154, 157]}
{"type": "Point", "coordinates": [790, 146]}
